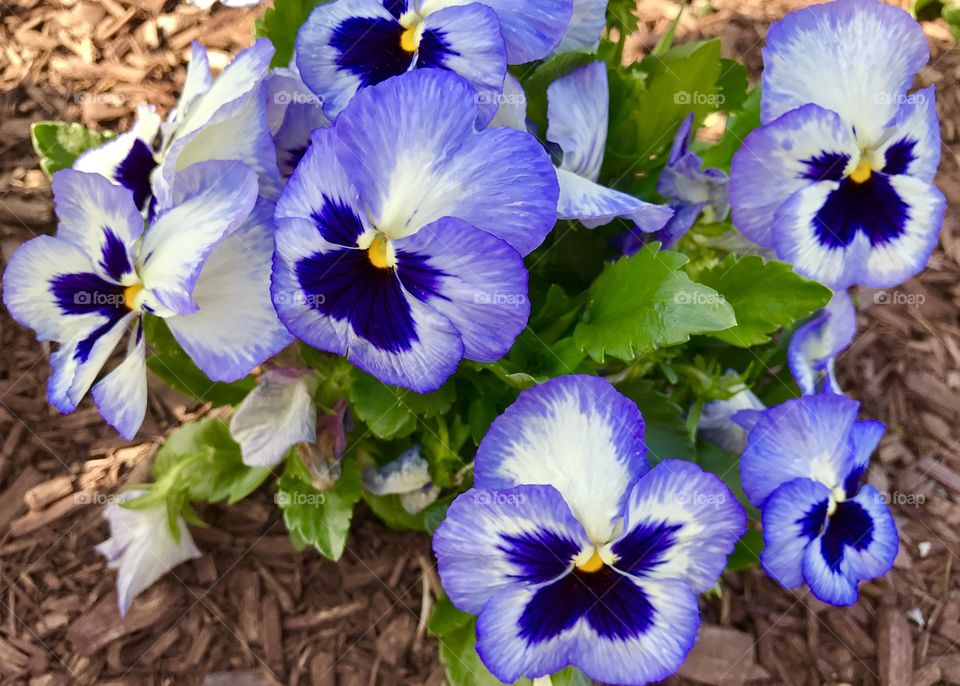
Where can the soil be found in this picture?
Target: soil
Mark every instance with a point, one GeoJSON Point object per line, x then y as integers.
{"type": "Point", "coordinates": [253, 611]}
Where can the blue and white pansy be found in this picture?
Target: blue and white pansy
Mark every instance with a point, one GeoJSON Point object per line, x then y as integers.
{"type": "Point", "coordinates": [401, 235]}
{"type": "Point", "coordinates": [577, 112]}
{"type": "Point", "coordinates": [815, 346]}
{"type": "Point", "coordinates": [803, 467]}
{"type": "Point", "coordinates": [348, 45]}
{"type": "Point", "coordinates": [200, 265]}
{"type": "Point", "coordinates": [839, 179]}
{"type": "Point", "coordinates": [573, 551]}
{"type": "Point", "coordinates": [215, 119]}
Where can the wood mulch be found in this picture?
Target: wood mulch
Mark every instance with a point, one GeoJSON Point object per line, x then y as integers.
{"type": "Point", "coordinates": [253, 611]}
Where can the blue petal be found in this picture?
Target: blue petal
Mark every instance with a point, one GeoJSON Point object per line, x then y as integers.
{"type": "Point", "coordinates": [686, 183]}
{"type": "Point", "coordinates": [577, 112]}
{"type": "Point", "coordinates": [806, 437]}
{"type": "Point", "coordinates": [121, 396]}
{"type": "Point", "coordinates": [235, 326]}
{"type": "Point", "coordinates": [531, 28]}
{"type": "Point", "coordinates": [586, 26]}
{"type": "Point", "coordinates": [816, 345]}
{"type": "Point", "coordinates": [616, 628]}
{"type": "Point", "coordinates": [576, 433]}
{"type": "Point", "coordinates": [293, 137]}
{"type": "Point", "coordinates": [495, 539]}
{"type": "Point", "coordinates": [856, 57]}
{"type": "Point", "coordinates": [512, 109]}
{"type": "Point", "coordinates": [864, 438]}
{"type": "Point", "coordinates": [681, 523]}
{"type": "Point", "coordinates": [793, 516]}
{"type": "Point", "coordinates": [913, 146]}
{"type": "Point", "coordinates": [210, 200]}
{"type": "Point", "coordinates": [781, 158]}
{"type": "Point", "coordinates": [717, 424]}
{"type": "Point", "coordinates": [467, 40]}
{"type": "Point", "coordinates": [878, 233]}
{"type": "Point", "coordinates": [481, 287]}
{"type": "Point", "coordinates": [868, 560]}
{"type": "Point", "coordinates": [595, 205]}
{"type": "Point", "coordinates": [499, 180]}
{"type": "Point", "coordinates": [100, 218]}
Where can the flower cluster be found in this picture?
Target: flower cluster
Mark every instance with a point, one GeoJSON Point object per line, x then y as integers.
{"type": "Point", "coordinates": [387, 198]}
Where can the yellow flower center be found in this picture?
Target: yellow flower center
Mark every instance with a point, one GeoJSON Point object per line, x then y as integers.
{"type": "Point", "coordinates": [594, 564]}
{"type": "Point", "coordinates": [409, 40]}
{"type": "Point", "coordinates": [130, 294]}
{"type": "Point", "coordinates": [379, 252]}
{"type": "Point", "coordinates": [862, 173]}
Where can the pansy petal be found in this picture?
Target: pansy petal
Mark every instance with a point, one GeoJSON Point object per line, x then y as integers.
{"type": "Point", "coordinates": [235, 326]}
{"type": "Point", "coordinates": [467, 40]}
{"type": "Point", "coordinates": [492, 540]}
{"type": "Point", "coordinates": [286, 88]}
{"type": "Point", "coordinates": [121, 396]}
{"type": "Point", "coordinates": [292, 137]}
{"type": "Point", "coordinates": [815, 345]}
{"type": "Point", "coordinates": [802, 147]}
{"type": "Point", "coordinates": [128, 159]}
{"type": "Point", "coordinates": [913, 147]}
{"type": "Point", "coordinates": [512, 109]}
{"type": "Point", "coordinates": [576, 433]}
{"type": "Point", "coordinates": [228, 122]}
{"type": "Point", "coordinates": [878, 233]}
{"type": "Point", "coordinates": [408, 473]}
{"type": "Point", "coordinates": [337, 300]}
{"type": "Point", "coordinates": [28, 286]}
{"type": "Point", "coordinates": [717, 425]}
{"type": "Point", "coordinates": [595, 205]}
{"type": "Point", "coordinates": [864, 438]}
{"type": "Point", "coordinates": [476, 280]}
{"type": "Point", "coordinates": [275, 416]}
{"type": "Point", "coordinates": [856, 58]}
{"type": "Point", "coordinates": [347, 45]}
{"type": "Point", "coordinates": [586, 26]}
{"type": "Point", "coordinates": [198, 80]}
{"type": "Point", "coordinates": [320, 191]}
{"type": "Point", "coordinates": [101, 218]}
{"type": "Point", "coordinates": [211, 200]}
{"type": "Point", "coordinates": [616, 628]}
{"type": "Point", "coordinates": [577, 111]}
{"type": "Point", "coordinates": [793, 517]}
{"type": "Point", "coordinates": [412, 168]}
{"type": "Point", "coordinates": [75, 366]}
{"type": "Point", "coordinates": [804, 437]}
{"type": "Point", "coordinates": [681, 523]}
{"type": "Point", "coordinates": [531, 28]}
{"type": "Point", "coordinates": [869, 560]}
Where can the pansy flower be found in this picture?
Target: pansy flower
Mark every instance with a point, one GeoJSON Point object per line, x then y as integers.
{"type": "Point", "coordinates": [815, 346]}
{"type": "Point", "coordinates": [215, 119]}
{"type": "Point", "coordinates": [348, 45]}
{"type": "Point", "coordinates": [201, 265]}
{"type": "Point", "coordinates": [803, 467]}
{"type": "Point", "coordinates": [577, 111]}
{"type": "Point", "coordinates": [689, 188]}
{"type": "Point", "coordinates": [400, 235]}
{"type": "Point", "coordinates": [573, 551]}
{"type": "Point", "coordinates": [716, 423]}
{"type": "Point", "coordinates": [839, 179]}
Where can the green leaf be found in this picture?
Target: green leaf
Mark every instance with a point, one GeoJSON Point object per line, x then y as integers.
{"type": "Point", "coordinates": [621, 15]}
{"type": "Point", "coordinates": [738, 127]}
{"type": "Point", "coordinates": [389, 510]}
{"type": "Point", "coordinates": [536, 82]}
{"type": "Point", "coordinates": [765, 295]}
{"type": "Point", "coordinates": [644, 302]}
{"type": "Point", "coordinates": [281, 23]}
{"type": "Point", "coordinates": [732, 85]}
{"type": "Point", "coordinates": [446, 618]}
{"type": "Point", "coordinates": [59, 144]}
{"type": "Point", "coordinates": [571, 676]}
{"type": "Point", "coordinates": [391, 411]}
{"type": "Point", "coordinates": [666, 433]}
{"type": "Point", "coordinates": [320, 518]}
{"type": "Point", "coordinates": [202, 460]}
{"type": "Point", "coordinates": [726, 466]}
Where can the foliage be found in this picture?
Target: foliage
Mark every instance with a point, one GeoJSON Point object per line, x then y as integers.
{"type": "Point", "coordinates": [58, 144]}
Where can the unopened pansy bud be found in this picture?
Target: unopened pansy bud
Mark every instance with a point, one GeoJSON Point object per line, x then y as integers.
{"type": "Point", "coordinates": [408, 477]}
